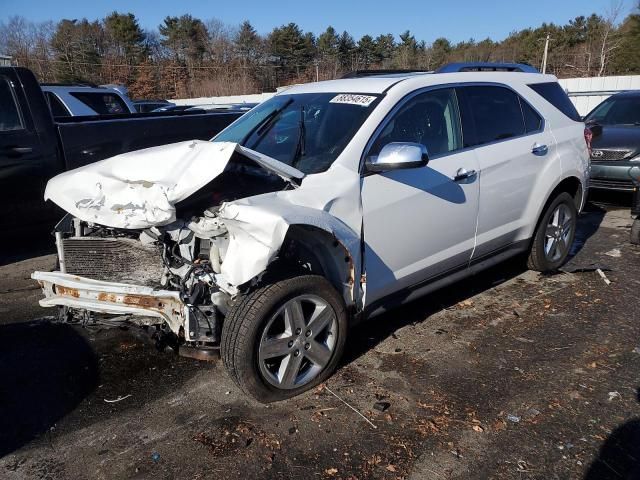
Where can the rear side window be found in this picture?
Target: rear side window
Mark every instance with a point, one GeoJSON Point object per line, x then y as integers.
{"type": "Point", "coordinates": [103, 103]}
{"type": "Point", "coordinates": [493, 113]}
{"type": "Point", "coordinates": [9, 113]}
{"type": "Point", "coordinates": [56, 106]}
{"type": "Point", "coordinates": [553, 93]}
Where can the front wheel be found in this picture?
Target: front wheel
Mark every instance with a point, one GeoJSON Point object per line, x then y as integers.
{"type": "Point", "coordinates": [284, 338]}
{"type": "Point", "coordinates": [554, 235]}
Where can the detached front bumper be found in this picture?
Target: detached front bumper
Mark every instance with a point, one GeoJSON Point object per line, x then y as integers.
{"type": "Point", "coordinates": [63, 289]}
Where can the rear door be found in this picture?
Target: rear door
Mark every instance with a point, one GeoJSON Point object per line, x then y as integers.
{"type": "Point", "coordinates": [513, 149]}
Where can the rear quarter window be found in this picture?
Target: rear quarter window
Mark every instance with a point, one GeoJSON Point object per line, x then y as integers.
{"type": "Point", "coordinates": [106, 103]}
{"type": "Point", "coordinates": [553, 93]}
{"type": "Point", "coordinates": [532, 121]}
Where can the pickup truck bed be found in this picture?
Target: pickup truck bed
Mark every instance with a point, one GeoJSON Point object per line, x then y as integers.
{"type": "Point", "coordinates": [35, 147]}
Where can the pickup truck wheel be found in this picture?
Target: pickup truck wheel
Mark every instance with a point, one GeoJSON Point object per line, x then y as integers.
{"type": "Point", "coordinates": [284, 338]}
{"type": "Point", "coordinates": [554, 235]}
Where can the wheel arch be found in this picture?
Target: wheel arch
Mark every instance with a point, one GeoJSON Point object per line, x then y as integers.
{"type": "Point", "coordinates": [571, 185]}
{"type": "Point", "coordinates": [319, 252]}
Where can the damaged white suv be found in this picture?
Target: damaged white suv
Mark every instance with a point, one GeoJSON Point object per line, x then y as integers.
{"type": "Point", "coordinates": [330, 203]}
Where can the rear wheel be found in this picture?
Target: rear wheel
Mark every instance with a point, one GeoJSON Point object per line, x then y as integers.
{"type": "Point", "coordinates": [284, 338]}
{"type": "Point", "coordinates": [554, 235]}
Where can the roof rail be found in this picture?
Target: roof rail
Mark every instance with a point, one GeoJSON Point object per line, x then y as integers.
{"type": "Point", "coordinates": [371, 73]}
{"type": "Point", "coordinates": [77, 84]}
{"type": "Point", "coordinates": [486, 67]}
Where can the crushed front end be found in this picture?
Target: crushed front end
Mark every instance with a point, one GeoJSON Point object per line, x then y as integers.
{"type": "Point", "coordinates": [164, 276]}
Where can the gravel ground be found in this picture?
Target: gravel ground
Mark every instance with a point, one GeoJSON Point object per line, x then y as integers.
{"type": "Point", "coordinates": [507, 375]}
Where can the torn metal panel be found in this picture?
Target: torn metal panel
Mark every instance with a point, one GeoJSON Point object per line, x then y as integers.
{"type": "Point", "coordinates": [110, 297]}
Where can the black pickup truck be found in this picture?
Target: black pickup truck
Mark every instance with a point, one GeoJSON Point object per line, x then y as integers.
{"type": "Point", "coordinates": [35, 147]}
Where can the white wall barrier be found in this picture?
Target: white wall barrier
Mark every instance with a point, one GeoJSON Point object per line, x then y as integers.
{"type": "Point", "coordinates": [587, 93]}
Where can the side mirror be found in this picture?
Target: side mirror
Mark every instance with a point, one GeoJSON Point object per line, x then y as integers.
{"type": "Point", "coordinates": [397, 155]}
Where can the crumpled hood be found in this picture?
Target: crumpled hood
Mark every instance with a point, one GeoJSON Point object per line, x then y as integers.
{"type": "Point", "coordinates": [139, 189]}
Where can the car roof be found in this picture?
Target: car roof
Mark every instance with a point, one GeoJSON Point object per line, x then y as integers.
{"type": "Point", "coordinates": [77, 88]}
{"type": "Point", "coordinates": [376, 84]}
{"type": "Point", "coordinates": [146, 102]}
{"type": "Point", "coordinates": [628, 93]}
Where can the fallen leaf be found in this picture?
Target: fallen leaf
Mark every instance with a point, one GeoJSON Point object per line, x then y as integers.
{"type": "Point", "coordinates": [478, 428]}
{"type": "Point", "coordinates": [391, 468]}
{"type": "Point", "coordinates": [331, 471]}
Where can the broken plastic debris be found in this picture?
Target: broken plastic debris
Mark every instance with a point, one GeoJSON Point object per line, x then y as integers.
{"type": "Point", "coordinates": [604, 277]}
{"type": "Point", "coordinates": [119, 399]}
{"type": "Point", "coordinates": [381, 406]}
{"type": "Point", "coordinates": [531, 413]}
{"type": "Point", "coordinates": [155, 456]}
{"type": "Point", "coordinates": [513, 418]}
{"type": "Point", "coordinates": [591, 267]}
{"type": "Point", "coordinates": [614, 395]}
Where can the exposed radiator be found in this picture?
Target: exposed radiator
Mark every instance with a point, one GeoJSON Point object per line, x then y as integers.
{"type": "Point", "coordinates": [113, 259]}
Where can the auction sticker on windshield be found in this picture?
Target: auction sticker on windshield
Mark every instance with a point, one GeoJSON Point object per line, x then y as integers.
{"type": "Point", "coordinates": [351, 99]}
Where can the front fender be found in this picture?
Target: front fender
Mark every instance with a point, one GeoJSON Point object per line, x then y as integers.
{"type": "Point", "coordinates": [257, 229]}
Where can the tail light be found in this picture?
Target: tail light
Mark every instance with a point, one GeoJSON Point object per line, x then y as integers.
{"type": "Point", "coordinates": [588, 136]}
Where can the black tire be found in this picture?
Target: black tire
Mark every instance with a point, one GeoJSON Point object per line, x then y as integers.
{"type": "Point", "coordinates": [635, 232]}
{"type": "Point", "coordinates": [247, 321]}
{"type": "Point", "coordinates": [538, 259]}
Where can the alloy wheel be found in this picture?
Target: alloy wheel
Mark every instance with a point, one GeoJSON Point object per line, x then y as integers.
{"type": "Point", "coordinates": [298, 342]}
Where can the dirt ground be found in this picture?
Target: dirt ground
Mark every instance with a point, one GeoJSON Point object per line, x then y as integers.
{"type": "Point", "coordinates": [508, 375]}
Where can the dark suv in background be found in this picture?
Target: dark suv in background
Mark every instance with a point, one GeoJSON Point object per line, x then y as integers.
{"type": "Point", "coordinates": [615, 146]}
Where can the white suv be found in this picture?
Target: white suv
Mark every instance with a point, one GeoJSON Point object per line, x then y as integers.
{"type": "Point", "coordinates": [327, 204]}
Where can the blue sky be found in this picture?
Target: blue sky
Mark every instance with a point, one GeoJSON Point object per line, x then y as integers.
{"type": "Point", "coordinates": [427, 19]}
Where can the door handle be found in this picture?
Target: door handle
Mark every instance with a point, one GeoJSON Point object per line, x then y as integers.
{"type": "Point", "coordinates": [19, 150]}
{"type": "Point", "coordinates": [539, 150]}
{"type": "Point", "coordinates": [464, 174]}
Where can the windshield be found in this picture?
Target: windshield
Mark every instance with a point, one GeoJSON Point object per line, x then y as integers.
{"type": "Point", "coordinates": [307, 131]}
{"type": "Point", "coordinates": [621, 110]}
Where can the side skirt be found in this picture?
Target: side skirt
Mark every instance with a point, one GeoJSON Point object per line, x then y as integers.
{"type": "Point", "coordinates": [447, 278]}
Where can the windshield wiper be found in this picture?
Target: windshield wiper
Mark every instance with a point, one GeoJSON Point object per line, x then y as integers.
{"type": "Point", "coordinates": [300, 146]}
{"type": "Point", "coordinates": [265, 124]}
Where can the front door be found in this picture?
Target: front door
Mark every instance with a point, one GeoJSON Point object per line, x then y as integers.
{"type": "Point", "coordinates": [420, 222]}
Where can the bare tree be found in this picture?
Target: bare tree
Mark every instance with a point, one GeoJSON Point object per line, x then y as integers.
{"type": "Point", "coordinates": [609, 40]}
